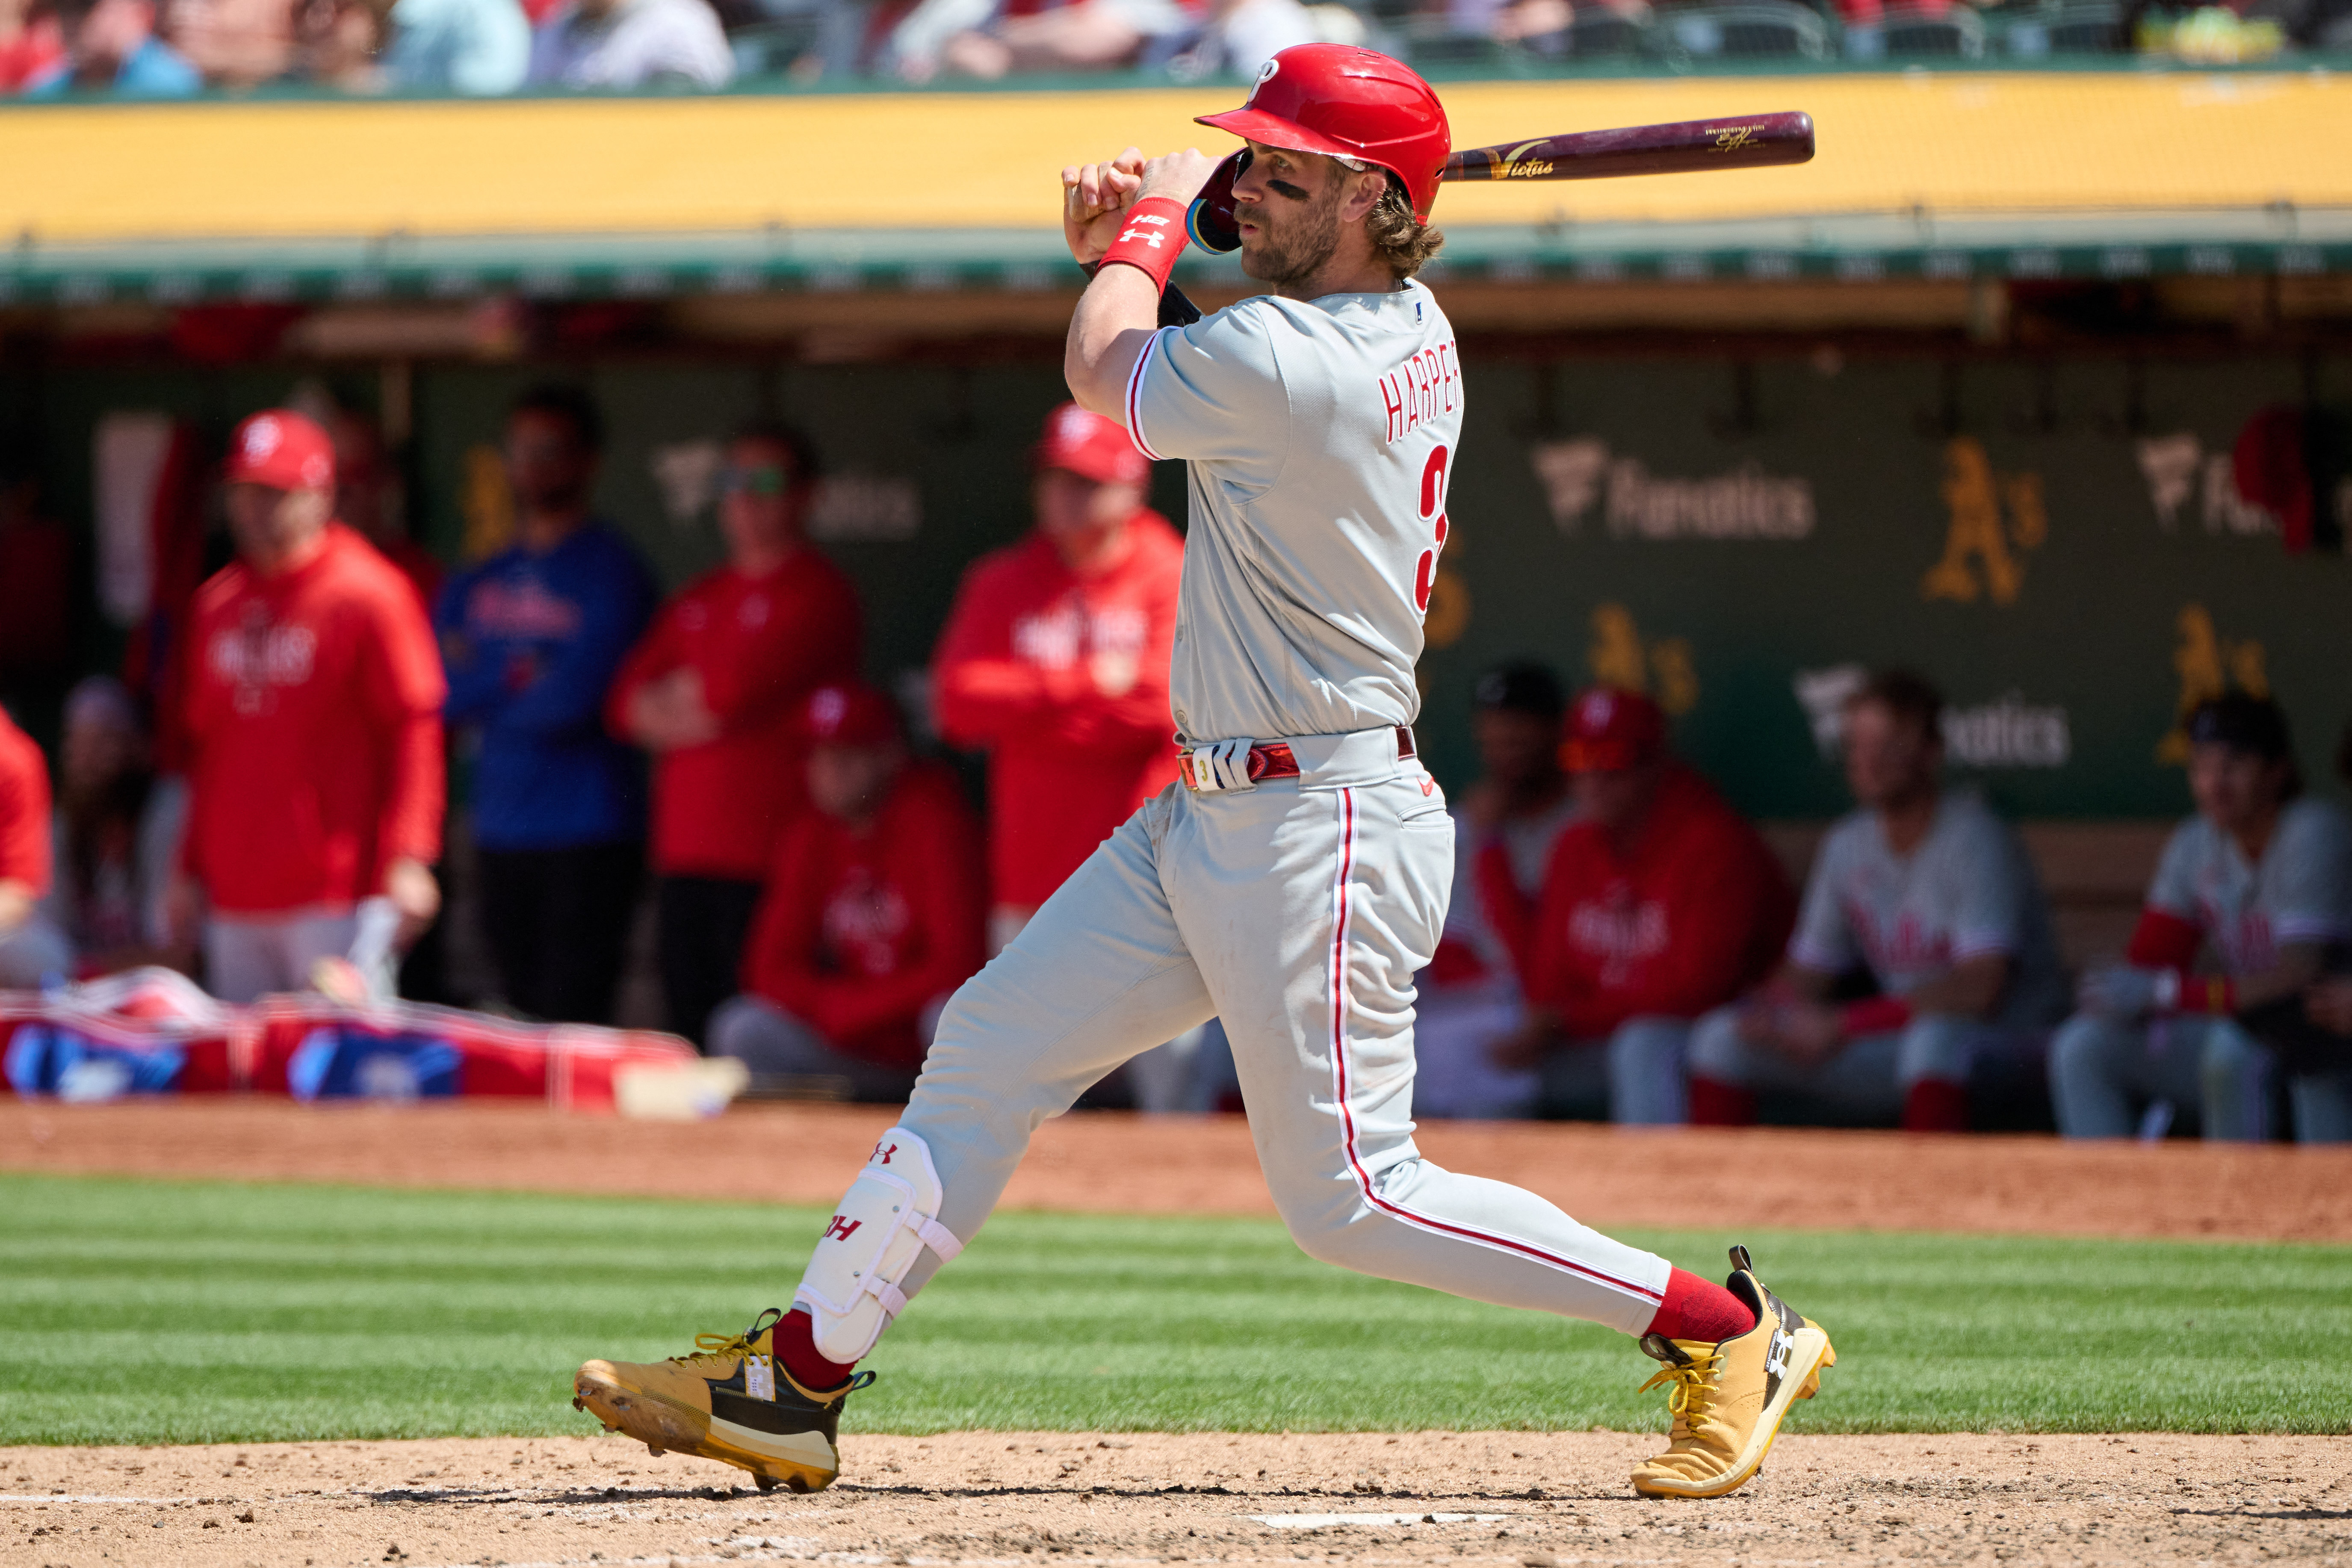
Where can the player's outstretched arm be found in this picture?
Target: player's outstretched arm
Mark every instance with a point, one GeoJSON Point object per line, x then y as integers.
{"type": "Point", "coordinates": [1121, 309]}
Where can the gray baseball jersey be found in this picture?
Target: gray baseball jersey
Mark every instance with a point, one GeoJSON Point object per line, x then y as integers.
{"type": "Point", "coordinates": [2300, 892]}
{"type": "Point", "coordinates": [1967, 890]}
{"type": "Point", "coordinates": [1322, 434]}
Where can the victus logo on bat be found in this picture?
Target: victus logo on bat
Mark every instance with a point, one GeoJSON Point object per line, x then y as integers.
{"type": "Point", "coordinates": [1731, 138]}
{"type": "Point", "coordinates": [1517, 166]}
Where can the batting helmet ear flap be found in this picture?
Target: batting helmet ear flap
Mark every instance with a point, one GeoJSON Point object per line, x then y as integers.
{"type": "Point", "coordinates": [1210, 219]}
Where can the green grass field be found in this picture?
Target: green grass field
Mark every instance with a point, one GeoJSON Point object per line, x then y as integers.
{"type": "Point", "coordinates": [136, 1311]}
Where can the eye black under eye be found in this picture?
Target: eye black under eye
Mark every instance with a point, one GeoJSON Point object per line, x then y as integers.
{"type": "Point", "coordinates": [1288, 189]}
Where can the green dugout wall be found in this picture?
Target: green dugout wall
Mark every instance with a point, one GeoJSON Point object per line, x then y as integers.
{"type": "Point", "coordinates": [2054, 542]}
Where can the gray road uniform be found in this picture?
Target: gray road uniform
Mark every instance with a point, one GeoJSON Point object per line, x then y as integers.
{"type": "Point", "coordinates": [2106, 1073]}
{"type": "Point", "coordinates": [1318, 435]}
{"type": "Point", "coordinates": [1968, 889]}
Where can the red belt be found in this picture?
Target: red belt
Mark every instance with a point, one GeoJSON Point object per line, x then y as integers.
{"type": "Point", "coordinates": [1274, 760]}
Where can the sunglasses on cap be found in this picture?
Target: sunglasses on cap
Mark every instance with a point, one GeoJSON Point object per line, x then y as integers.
{"type": "Point", "coordinates": [762, 480]}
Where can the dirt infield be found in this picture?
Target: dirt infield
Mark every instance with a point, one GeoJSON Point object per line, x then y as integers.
{"type": "Point", "coordinates": [1528, 1500]}
{"type": "Point", "coordinates": [1112, 1162]}
{"type": "Point", "coordinates": [1520, 1499]}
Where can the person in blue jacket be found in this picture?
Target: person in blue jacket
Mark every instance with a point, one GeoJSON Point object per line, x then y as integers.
{"type": "Point", "coordinates": [532, 638]}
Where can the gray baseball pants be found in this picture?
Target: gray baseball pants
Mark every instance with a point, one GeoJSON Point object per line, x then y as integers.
{"type": "Point", "coordinates": [1297, 911]}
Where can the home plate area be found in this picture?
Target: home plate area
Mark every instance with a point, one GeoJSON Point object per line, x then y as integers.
{"type": "Point", "coordinates": [1538, 1500]}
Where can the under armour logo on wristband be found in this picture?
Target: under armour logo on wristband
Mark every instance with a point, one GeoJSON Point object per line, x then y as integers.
{"type": "Point", "coordinates": [1140, 245]}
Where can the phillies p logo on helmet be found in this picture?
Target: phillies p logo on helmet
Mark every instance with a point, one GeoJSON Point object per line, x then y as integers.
{"type": "Point", "coordinates": [261, 439]}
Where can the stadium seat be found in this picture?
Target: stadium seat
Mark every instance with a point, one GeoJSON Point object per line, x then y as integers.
{"type": "Point", "coordinates": [1958, 33]}
{"type": "Point", "coordinates": [1434, 41]}
{"type": "Point", "coordinates": [2095, 28]}
{"type": "Point", "coordinates": [1598, 34]}
{"type": "Point", "coordinates": [1751, 32]}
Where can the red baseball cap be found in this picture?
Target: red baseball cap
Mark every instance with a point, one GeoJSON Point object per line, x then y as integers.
{"type": "Point", "coordinates": [280, 448]}
{"type": "Point", "coordinates": [848, 714]}
{"type": "Point", "coordinates": [1090, 446]}
{"type": "Point", "coordinates": [1608, 730]}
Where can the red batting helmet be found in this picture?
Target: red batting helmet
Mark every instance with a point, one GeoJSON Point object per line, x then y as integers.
{"type": "Point", "coordinates": [1346, 102]}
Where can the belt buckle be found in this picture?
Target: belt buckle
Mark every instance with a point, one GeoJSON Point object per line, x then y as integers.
{"type": "Point", "coordinates": [1222, 768]}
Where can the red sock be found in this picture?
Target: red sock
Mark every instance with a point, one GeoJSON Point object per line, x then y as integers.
{"type": "Point", "coordinates": [1714, 1104]}
{"type": "Point", "coordinates": [1695, 1310]}
{"type": "Point", "coordinates": [797, 1348]}
{"type": "Point", "coordinates": [1936, 1105]}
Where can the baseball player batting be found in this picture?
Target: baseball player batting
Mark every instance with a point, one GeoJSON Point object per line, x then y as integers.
{"type": "Point", "coordinates": [1295, 879]}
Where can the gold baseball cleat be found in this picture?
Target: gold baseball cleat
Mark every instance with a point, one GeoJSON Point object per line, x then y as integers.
{"type": "Point", "coordinates": [1728, 1399]}
{"type": "Point", "coordinates": [731, 1401]}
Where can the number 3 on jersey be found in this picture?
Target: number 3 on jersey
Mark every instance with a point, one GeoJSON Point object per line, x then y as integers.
{"type": "Point", "coordinates": [1434, 474]}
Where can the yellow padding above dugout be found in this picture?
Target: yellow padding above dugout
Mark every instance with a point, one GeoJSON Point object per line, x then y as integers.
{"type": "Point", "coordinates": [1953, 142]}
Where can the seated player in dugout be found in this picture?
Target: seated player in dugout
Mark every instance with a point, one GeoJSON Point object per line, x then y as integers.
{"type": "Point", "coordinates": [717, 691]}
{"type": "Point", "coordinates": [871, 918]}
{"type": "Point", "coordinates": [1296, 881]}
{"type": "Point", "coordinates": [1659, 905]}
{"type": "Point", "coordinates": [2261, 877]}
{"type": "Point", "coordinates": [1929, 898]}
{"type": "Point", "coordinates": [1469, 996]}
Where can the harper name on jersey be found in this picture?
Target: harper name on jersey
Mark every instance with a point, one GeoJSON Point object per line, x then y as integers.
{"type": "Point", "coordinates": [1423, 387]}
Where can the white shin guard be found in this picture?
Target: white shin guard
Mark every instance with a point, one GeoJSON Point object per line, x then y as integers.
{"type": "Point", "coordinates": [887, 1216]}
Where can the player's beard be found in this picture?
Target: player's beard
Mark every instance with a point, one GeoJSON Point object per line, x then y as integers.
{"type": "Point", "coordinates": [1295, 240]}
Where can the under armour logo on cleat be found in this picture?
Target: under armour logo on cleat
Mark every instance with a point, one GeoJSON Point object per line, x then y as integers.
{"type": "Point", "coordinates": [841, 1229]}
{"type": "Point", "coordinates": [1775, 1354]}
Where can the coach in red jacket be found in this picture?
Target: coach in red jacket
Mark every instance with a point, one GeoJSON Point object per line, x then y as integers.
{"type": "Point", "coordinates": [311, 695]}
{"type": "Point", "coordinates": [1055, 662]}
{"type": "Point", "coordinates": [714, 691]}
{"type": "Point", "coordinates": [873, 914]}
{"type": "Point", "coordinates": [1659, 903]}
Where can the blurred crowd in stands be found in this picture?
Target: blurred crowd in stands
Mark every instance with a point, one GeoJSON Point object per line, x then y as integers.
{"type": "Point", "coordinates": [153, 48]}
{"type": "Point", "coordinates": [268, 813]}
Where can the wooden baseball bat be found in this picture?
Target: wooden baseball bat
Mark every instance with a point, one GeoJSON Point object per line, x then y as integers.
{"type": "Point", "coordinates": [1749, 141]}
{"type": "Point", "coordinates": [1688, 146]}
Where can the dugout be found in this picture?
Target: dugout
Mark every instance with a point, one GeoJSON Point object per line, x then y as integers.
{"type": "Point", "coordinates": [1966, 392]}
